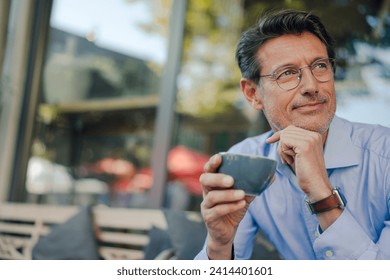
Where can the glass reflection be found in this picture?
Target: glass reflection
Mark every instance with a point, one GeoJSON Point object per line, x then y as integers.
{"type": "Point", "coordinates": [94, 129]}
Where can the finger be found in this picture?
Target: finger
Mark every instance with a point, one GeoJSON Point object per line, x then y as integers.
{"type": "Point", "coordinates": [286, 156]}
{"type": "Point", "coordinates": [280, 153]}
{"type": "Point", "coordinates": [216, 180]}
{"type": "Point", "coordinates": [286, 151]}
{"type": "Point", "coordinates": [274, 138]}
{"type": "Point", "coordinates": [213, 163]}
{"type": "Point", "coordinates": [297, 138]}
{"type": "Point", "coordinates": [220, 210]}
{"type": "Point", "coordinates": [289, 159]}
{"type": "Point", "coordinates": [210, 181]}
{"type": "Point", "coordinates": [289, 152]}
{"type": "Point", "coordinates": [218, 197]}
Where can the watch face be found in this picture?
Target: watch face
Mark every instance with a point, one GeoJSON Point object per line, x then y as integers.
{"type": "Point", "coordinates": [340, 198]}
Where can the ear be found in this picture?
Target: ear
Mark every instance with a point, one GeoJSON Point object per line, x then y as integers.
{"type": "Point", "coordinates": [251, 93]}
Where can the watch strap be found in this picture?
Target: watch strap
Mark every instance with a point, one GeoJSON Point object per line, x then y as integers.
{"type": "Point", "coordinates": [328, 203]}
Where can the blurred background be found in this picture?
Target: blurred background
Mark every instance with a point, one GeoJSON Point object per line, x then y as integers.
{"type": "Point", "coordinates": [121, 102]}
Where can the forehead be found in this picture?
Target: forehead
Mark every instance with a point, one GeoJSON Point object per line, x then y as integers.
{"type": "Point", "coordinates": [296, 49]}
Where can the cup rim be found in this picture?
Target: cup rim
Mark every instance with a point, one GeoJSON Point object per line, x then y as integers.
{"type": "Point", "coordinates": [247, 155]}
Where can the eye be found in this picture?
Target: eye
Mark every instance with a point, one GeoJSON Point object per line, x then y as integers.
{"type": "Point", "coordinates": [320, 65]}
{"type": "Point", "coordinates": [287, 73]}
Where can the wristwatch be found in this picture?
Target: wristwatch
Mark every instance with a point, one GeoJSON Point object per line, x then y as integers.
{"type": "Point", "coordinates": [328, 203]}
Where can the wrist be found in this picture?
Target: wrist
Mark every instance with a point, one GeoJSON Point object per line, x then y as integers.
{"type": "Point", "coordinates": [219, 252]}
{"type": "Point", "coordinates": [328, 203]}
{"type": "Point", "coordinates": [321, 191]}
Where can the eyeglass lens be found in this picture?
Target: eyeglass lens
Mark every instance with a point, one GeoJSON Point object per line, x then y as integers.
{"type": "Point", "coordinates": [289, 78]}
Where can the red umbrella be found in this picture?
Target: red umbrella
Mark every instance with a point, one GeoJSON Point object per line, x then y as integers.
{"type": "Point", "coordinates": [187, 165]}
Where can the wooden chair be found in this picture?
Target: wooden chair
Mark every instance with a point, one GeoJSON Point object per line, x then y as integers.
{"type": "Point", "coordinates": [122, 233]}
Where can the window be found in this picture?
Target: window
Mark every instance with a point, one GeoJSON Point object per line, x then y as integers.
{"type": "Point", "coordinates": [94, 128]}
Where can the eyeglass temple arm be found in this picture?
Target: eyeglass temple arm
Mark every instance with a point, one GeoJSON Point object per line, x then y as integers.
{"type": "Point", "coordinates": [267, 75]}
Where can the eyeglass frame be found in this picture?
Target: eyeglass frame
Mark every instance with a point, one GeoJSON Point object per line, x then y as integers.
{"type": "Point", "coordinates": [331, 61]}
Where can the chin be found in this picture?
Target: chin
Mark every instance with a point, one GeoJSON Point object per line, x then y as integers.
{"type": "Point", "coordinates": [317, 122]}
{"type": "Point", "coordinates": [316, 126]}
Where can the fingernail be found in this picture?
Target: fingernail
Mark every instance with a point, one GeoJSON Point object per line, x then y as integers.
{"type": "Point", "coordinates": [239, 194]}
{"type": "Point", "coordinates": [227, 180]}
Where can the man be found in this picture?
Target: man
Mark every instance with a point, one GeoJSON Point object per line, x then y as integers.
{"type": "Point", "coordinates": [340, 169]}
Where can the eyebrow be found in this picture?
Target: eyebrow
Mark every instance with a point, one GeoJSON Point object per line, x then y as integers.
{"type": "Point", "coordinates": [294, 65]}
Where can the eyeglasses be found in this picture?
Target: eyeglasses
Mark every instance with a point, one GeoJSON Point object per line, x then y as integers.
{"type": "Point", "coordinates": [289, 77]}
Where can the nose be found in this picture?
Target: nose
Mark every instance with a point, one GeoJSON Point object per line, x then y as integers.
{"type": "Point", "coordinates": [308, 83]}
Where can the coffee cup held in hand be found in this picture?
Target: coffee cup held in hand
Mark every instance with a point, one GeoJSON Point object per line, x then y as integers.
{"type": "Point", "coordinates": [252, 174]}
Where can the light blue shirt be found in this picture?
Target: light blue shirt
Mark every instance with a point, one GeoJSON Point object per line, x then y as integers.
{"type": "Point", "coordinates": [357, 158]}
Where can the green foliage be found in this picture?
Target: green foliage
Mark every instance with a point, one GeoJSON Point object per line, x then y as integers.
{"type": "Point", "coordinates": [212, 29]}
{"type": "Point", "coordinates": [344, 19]}
{"type": "Point", "coordinates": [211, 32]}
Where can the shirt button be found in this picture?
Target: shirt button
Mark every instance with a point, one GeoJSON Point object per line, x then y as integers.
{"type": "Point", "coordinates": [316, 234]}
{"type": "Point", "coordinates": [329, 253]}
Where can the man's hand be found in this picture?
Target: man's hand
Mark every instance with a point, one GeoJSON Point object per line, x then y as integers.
{"type": "Point", "coordinates": [222, 209]}
{"type": "Point", "coordinates": [303, 151]}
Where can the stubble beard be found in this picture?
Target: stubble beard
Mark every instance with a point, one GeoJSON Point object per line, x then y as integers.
{"type": "Point", "coordinates": [321, 128]}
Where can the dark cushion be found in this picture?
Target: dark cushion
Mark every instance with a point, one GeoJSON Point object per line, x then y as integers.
{"type": "Point", "coordinates": [73, 240]}
{"type": "Point", "coordinates": [263, 249]}
{"type": "Point", "coordinates": [187, 232]}
{"type": "Point", "coordinates": [159, 241]}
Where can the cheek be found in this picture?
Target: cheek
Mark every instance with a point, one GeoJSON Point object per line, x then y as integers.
{"type": "Point", "coordinates": [276, 105]}
{"type": "Point", "coordinates": [276, 111]}
{"type": "Point", "coordinates": [276, 101]}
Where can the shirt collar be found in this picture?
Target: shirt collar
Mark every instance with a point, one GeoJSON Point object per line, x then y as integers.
{"type": "Point", "coordinates": [339, 149]}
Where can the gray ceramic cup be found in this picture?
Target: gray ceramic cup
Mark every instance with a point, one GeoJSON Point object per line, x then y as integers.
{"type": "Point", "coordinates": [252, 174]}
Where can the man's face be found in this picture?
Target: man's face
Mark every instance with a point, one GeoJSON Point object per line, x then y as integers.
{"type": "Point", "coordinates": [312, 104]}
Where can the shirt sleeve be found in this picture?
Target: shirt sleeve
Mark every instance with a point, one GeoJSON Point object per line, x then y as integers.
{"type": "Point", "coordinates": [346, 239]}
{"type": "Point", "coordinates": [244, 240]}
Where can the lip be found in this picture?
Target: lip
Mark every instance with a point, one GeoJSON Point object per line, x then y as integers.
{"type": "Point", "coordinates": [309, 107]}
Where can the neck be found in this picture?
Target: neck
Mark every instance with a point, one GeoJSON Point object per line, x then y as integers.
{"type": "Point", "coordinates": [324, 137]}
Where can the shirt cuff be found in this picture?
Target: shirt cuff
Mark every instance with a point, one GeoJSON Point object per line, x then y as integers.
{"type": "Point", "coordinates": [344, 239]}
{"type": "Point", "coordinates": [202, 255]}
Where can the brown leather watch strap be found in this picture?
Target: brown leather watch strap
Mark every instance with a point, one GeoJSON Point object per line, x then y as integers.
{"type": "Point", "coordinates": [326, 204]}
